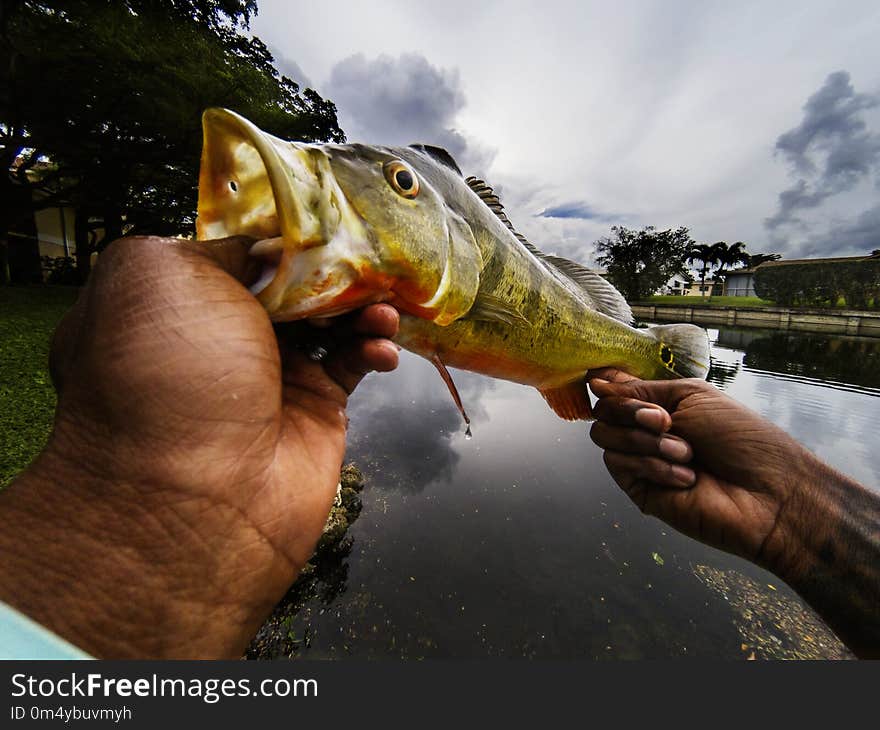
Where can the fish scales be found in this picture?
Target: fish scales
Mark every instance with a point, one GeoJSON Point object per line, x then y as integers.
{"type": "Point", "coordinates": [342, 226]}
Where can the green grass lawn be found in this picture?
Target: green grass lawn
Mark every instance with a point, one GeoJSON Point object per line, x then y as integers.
{"type": "Point", "coordinates": [709, 301]}
{"type": "Point", "coordinates": [28, 316]}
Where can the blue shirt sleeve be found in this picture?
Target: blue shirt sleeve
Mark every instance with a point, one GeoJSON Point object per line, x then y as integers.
{"type": "Point", "coordinates": [22, 638]}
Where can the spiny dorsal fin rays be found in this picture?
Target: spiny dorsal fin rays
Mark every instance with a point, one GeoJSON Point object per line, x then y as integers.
{"type": "Point", "coordinates": [489, 197]}
{"type": "Point", "coordinates": [602, 295]}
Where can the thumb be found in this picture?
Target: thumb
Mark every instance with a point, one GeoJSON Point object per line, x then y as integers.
{"type": "Point", "coordinates": [664, 393]}
{"type": "Point", "coordinates": [231, 255]}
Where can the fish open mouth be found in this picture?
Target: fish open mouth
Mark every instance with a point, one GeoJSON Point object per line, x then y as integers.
{"type": "Point", "coordinates": [285, 195]}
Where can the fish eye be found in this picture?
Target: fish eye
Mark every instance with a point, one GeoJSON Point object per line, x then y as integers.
{"type": "Point", "coordinates": [401, 177]}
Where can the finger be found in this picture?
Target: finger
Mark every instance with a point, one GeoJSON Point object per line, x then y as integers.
{"type": "Point", "coordinates": [665, 393]}
{"type": "Point", "coordinates": [620, 411]}
{"type": "Point", "coordinates": [611, 375]}
{"type": "Point", "coordinates": [378, 320]}
{"type": "Point", "coordinates": [348, 366]}
{"type": "Point", "coordinates": [640, 442]}
{"type": "Point", "coordinates": [627, 469]}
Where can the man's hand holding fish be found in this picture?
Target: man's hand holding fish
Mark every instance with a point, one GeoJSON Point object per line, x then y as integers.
{"type": "Point", "coordinates": [194, 457]}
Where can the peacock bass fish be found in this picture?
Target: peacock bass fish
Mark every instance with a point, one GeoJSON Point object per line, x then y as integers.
{"type": "Point", "coordinates": [340, 226]}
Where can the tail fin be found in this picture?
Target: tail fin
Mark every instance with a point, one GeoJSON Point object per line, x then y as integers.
{"type": "Point", "coordinates": [684, 349]}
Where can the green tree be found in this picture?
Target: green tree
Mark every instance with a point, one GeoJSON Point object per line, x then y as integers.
{"type": "Point", "coordinates": [640, 262]}
{"type": "Point", "coordinates": [103, 100]}
{"type": "Point", "coordinates": [708, 255]}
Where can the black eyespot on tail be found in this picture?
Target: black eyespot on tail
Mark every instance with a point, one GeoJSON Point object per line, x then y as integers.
{"type": "Point", "coordinates": [666, 355]}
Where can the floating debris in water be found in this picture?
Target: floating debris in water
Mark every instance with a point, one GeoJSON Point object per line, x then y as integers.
{"type": "Point", "coordinates": [772, 625]}
{"type": "Point", "coordinates": [658, 559]}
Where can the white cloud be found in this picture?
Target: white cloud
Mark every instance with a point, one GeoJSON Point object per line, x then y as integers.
{"type": "Point", "coordinates": [403, 100]}
{"type": "Point", "coordinates": [662, 112]}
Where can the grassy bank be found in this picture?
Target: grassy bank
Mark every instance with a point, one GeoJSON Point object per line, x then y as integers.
{"type": "Point", "coordinates": [28, 316]}
{"type": "Point", "coordinates": [708, 301]}
{"type": "Point", "coordinates": [679, 301]}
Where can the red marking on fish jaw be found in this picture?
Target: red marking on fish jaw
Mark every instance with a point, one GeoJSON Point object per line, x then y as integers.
{"type": "Point", "coordinates": [318, 298]}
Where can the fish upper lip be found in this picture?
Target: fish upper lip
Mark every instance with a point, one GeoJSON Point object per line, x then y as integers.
{"type": "Point", "coordinates": [311, 211]}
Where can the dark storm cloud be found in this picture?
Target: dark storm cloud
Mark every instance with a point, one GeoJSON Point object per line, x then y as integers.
{"type": "Point", "coordinates": [399, 101]}
{"type": "Point", "coordinates": [799, 196]}
{"type": "Point", "coordinates": [830, 151]}
{"type": "Point", "coordinates": [857, 237]}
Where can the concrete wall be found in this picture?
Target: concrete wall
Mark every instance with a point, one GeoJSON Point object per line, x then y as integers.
{"type": "Point", "coordinates": [844, 322]}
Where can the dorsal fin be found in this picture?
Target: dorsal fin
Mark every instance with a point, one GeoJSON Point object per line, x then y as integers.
{"type": "Point", "coordinates": [599, 293]}
{"type": "Point", "coordinates": [440, 155]}
{"type": "Point", "coordinates": [602, 294]}
{"type": "Point", "coordinates": [491, 199]}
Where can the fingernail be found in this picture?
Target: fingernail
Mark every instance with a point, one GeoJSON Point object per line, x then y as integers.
{"type": "Point", "coordinates": [674, 449]}
{"type": "Point", "coordinates": [650, 418]}
{"type": "Point", "coordinates": [684, 475]}
{"type": "Point", "coordinates": [600, 381]}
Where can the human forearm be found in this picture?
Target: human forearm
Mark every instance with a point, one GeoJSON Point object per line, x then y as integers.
{"type": "Point", "coordinates": [753, 491]}
{"type": "Point", "coordinates": [121, 573]}
{"type": "Point", "coordinates": [829, 539]}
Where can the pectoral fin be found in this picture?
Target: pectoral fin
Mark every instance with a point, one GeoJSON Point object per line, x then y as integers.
{"type": "Point", "coordinates": [447, 378]}
{"type": "Point", "coordinates": [571, 401]}
{"type": "Point", "coordinates": [492, 309]}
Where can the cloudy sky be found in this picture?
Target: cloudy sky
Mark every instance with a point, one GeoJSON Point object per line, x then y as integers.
{"type": "Point", "coordinates": [749, 121]}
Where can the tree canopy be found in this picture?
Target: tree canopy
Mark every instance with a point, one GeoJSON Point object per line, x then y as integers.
{"type": "Point", "coordinates": [640, 262]}
{"type": "Point", "coordinates": [101, 106]}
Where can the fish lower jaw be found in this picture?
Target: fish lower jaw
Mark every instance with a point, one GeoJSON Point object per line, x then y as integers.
{"type": "Point", "coordinates": [324, 307]}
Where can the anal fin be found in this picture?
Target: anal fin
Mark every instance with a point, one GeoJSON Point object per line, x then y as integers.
{"type": "Point", "coordinates": [570, 401]}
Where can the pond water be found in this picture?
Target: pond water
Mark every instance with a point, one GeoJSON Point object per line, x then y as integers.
{"type": "Point", "coordinates": [517, 543]}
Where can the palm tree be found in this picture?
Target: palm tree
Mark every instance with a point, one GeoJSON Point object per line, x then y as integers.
{"type": "Point", "coordinates": [729, 257]}
{"type": "Point", "coordinates": [756, 259]}
{"type": "Point", "coordinates": [707, 254]}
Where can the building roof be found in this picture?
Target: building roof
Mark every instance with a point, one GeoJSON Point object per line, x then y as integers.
{"type": "Point", "coordinates": [832, 259]}
{"type": "Point", "coordinates": [786, 262]}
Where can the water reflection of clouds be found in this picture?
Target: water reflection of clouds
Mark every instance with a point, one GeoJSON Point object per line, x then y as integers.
{"type": "Point", "coordinates": [836, 424]}
{"type": "Point", "coordinates": [404, 424]}
{"type": "Point", "coordinates": [525, 517]}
